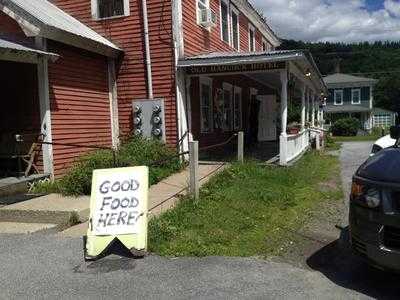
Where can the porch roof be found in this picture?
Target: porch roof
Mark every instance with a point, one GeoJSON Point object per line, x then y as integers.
{"type": "Point", "coordinates": [238, 58]}
{"type": "Point", "coordinates": [346, 109]}
{"type": "Point", "coordinates": [43, 18]}
{"type": "Point", "coordinates": [12, 50]}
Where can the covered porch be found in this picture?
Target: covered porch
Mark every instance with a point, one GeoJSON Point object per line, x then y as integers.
{"type": "Point", "coordinates": [273, 97]}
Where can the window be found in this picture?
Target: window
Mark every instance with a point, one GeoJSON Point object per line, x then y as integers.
{"type": "Point", "coordinates": [266, 46]}
{"type": "Point", "coordinates": [227, 119]}
{"type": "Point", "coordinates": [224, 21]}
{"type": "Point", "coordinates": [237, 107]}
{"type": "Point", "coordinates": [338, 97]}
{"type": "Point", "coordinates": [235, 29]}
{"type": "Point", "coordinates": [104, 9]}
{"type": "Point", "coordinates": [252, 38]}
{"type": "Point", "coordinates": [201, 5]}
{"type": "Point", "coordinates": [355, 96]}
{"type": "Point", "coordinates": [206, 109]}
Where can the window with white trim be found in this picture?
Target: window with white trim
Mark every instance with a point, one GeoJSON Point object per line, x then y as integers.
{"type": "Point", "coordinates": [201, 5]}
{"type": "Point", "coordinates": [235, 29]}
{"type": "Point", "coordinates": [105, 9]}
{"type": "Point", "coordinates": [227, 120]}
{"type": "Point", "coordinates": [266, 46]}
{"type": "Point", "coordinates": [338, 97]}
{"type": "Point", "coordinates": [206, 105]}
{"type": "Point", "coordinates": [224, 17]}
{"type": "Point", "coordinates": [252, 38]}
{"type": "Point", "coordinates": [237, 108]}
{"type": "Point", "coordinates": [356, 96]}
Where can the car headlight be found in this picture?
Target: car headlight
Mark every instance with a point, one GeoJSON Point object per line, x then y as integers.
{"type": "Point", "coordinates": [376, 149]}
{"type": "Point", "coordinates": [365, 196]}
{"type": "Point", "coordinates": [372, 198]}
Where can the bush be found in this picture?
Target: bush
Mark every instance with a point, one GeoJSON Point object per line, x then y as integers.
{"type": "Point", "coordinates": [135, 152]}
{"type": "Point", "coordinates": [346, 127]}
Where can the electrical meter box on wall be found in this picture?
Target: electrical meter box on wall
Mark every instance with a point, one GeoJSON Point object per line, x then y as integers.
{"type": "Point", "coordinates": [149, 118]}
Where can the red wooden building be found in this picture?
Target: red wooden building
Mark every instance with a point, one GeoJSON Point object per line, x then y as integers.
{"type": "Point", "coordinates": [70, 69]}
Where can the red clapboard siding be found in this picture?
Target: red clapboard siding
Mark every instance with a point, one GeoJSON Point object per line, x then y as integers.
{"type": "Point", "coordinates": [199, 40]}
{"type": "Point", "coordinates": [79, 99]}
{"type": "Point", "coordinates": [127, 32]}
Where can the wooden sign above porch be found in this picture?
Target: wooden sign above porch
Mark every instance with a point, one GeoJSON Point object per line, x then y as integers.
{"type": "Point", "coordinates": [242, 68]}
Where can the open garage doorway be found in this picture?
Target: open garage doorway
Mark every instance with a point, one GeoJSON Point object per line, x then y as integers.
{"type": "Point", "coordinates": [19, 117]}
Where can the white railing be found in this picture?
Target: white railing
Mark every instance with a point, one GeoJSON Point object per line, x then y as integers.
{"type": "Point", "coordinates": [291, 146]}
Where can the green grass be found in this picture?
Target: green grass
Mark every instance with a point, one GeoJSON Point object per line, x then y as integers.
{"type": "Point", "coordinates": [356, 138]}
{"type": "Point", "coordinates": [246, 210]}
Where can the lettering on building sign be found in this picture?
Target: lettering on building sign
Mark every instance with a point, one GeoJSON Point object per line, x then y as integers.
{"type": "Point", "coordinates": [262, 66]}
{"type": "Point", "coordinates": [118, 202]}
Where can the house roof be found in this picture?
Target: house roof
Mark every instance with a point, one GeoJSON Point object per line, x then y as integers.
{"type": "Point", "coordinates": [346, 78]}
{"type": "Point", "coordinates": [12, 50]}
{"type": "Point", "coordinates": [53, 23]}
{"type": "Point", "coordinates": [346, 109]}
{"type": "Point", "coordinates": [236, 58]}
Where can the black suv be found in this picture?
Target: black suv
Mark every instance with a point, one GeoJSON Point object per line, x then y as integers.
{"type": "Point", "coordinates": [375, 208]}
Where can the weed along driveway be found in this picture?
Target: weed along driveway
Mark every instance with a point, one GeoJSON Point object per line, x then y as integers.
{"type": "Point", "coordinates": [256, 232]}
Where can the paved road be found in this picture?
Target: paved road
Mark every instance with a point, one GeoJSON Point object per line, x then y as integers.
{"type": "Point", "coordinates": [46, 266]}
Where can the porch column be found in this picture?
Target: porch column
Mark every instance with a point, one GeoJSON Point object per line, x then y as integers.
{"type": "Point", "coordinates": [303, 107]}
{"type": "Point", "coordinates": [308, 95]}
{"type": "Point", "coordinates": [313, 110]}
{"type": "Point", "coordinates": [318, 110]}
{"type": "Point", "coordinates": [113, 95]}
{"type": "Point", "coordinates": [284, 111]}
{"type": "Point", "coordinates": [283, 137]}
{"type": "Point", "coordinates": [45, 110]}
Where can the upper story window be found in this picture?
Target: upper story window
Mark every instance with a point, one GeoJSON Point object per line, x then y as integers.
{"type": "Point", "coordinates": [252, 38]}
{"type": "Point", "coordinates": [104, 9]}
{"type": "Point", "coordinates": [205, 16]}
{"type": "Point", "coordinates": [235, 28]}
{"type": "Point", "coordinates": [224, 21]}
{"type": "Point", "coordinates": [203, 4]}
{"type": "Point", "coordinates": [267, 46]}
{"type": "Point", "coordinates": [338, 97]}
{"type": "Point", "coordinates": [355, 96]}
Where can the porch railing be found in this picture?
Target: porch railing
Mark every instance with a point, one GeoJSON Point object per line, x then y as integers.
{"type": "Point", "coordinates": [291, 146]}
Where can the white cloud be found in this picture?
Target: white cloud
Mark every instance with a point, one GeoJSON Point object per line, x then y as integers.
{"type": "Point", "coordinates": [332, 20]}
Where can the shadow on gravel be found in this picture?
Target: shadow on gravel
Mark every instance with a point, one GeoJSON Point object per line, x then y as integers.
{"type": "Point", "coordinates": [339, 265]}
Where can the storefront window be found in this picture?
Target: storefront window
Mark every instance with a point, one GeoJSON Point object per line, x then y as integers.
{"type": "Point", "coordinates": [228, 112]}
{"type": "Point", "coordinates": [238, 108]}
{"type": "Point", "coordinates": [206, 105]}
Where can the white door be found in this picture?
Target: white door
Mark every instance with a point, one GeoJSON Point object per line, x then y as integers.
{"type": "Point", "coordinates": [267, 118]}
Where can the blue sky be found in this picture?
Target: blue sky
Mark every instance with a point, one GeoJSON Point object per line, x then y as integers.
{"type": "Point", "coordinates": [333, 20]}
{"type": "Point", "coordinates": [373, 5]}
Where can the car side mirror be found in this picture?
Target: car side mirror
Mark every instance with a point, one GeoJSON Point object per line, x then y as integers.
{"type": "Point", "coordinates": [395, 132]}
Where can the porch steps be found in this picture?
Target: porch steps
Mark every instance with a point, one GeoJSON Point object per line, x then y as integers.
{"type": "Point", "coordinates": [25, 228]}
{"type": "Point", "coordinates": [49, 209]}
{"type": "Point", "coordinates": [11, 186]}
